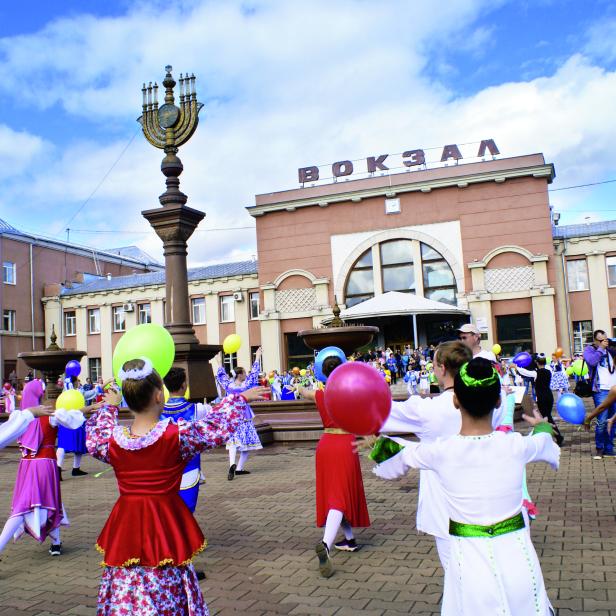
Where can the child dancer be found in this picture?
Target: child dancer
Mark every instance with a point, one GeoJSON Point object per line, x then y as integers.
{"type": "Point", "coordinates": [71, 441]}
{"type": "Point", "coordinates": [245, 438]}
{"type": "Point", "coordinates": [8, 394]}
{"type": "Point", "coordinates": [37, 503]}
{"type": "Point", "coordinates": [341, 501]}
{"type": "Point", "coordinates": [151, 537]}
{"type": "Point", "coordinates": [487, 530]}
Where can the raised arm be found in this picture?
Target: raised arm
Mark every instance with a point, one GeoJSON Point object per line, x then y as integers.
{"type": "Point", "coordinates": [223, 378]}
{"type": "Point", "coordinates": [67, 419]}
{"type": "Point", "coordinates": [409, 416]}
{"type": "Point", "coordinates": [99, 428]}
{"type": "Point", "coordinates": [252, 380]}
{"type": "Point", "coordinates": [16, 425]}
{"type": "Point", "coordinates": [414, 455]}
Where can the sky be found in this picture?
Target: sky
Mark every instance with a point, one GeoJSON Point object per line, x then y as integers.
{"type": "Point", "coordinates": [288, 84]}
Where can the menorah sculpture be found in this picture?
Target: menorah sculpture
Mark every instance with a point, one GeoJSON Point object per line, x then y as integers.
{"type": "Point", "coordinates": [168, 127]}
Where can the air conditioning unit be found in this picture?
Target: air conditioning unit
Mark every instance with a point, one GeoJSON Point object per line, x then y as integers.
{"type": "Point", "coordinates": [129, 307]}
{"type": "Point", "coordinates": [238, 296]}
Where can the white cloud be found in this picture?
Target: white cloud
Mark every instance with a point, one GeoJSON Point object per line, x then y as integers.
{"type": "Point", "coordinates": [285, 85]}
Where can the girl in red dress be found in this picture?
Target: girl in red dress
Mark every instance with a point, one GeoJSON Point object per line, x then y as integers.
{"type": "Point", "coordinates": [341, 501]}
{"type": "Point", "coordinates": [151, 536]}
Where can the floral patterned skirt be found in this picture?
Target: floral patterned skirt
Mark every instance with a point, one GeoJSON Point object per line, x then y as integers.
{"type": "Point", "coordinates": [150, 591]}
{"type": "Point", "coordinates": [245, 438]}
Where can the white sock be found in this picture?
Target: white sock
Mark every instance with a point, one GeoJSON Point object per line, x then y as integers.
{"type": "Point", "coordinates": [332, 524]}
{"type": "Point", "coordinates": [10, 528]}
{"type": "Point", "coordinates": [347, 530]}
{"type": "Point", "coordinates": [77, 460]}
{"type": "Point", "coordinates": [232, 453]}
{"type": "Point", "coordinates": [60, 453]}
{"type": "Point", "coordinates": [243, 459]}
{"type": "Point", "coordinates": [54, 535]}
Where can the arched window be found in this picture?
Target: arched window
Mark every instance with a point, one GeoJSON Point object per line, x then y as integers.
{"type": "Point", "coordinates": [398, 272]}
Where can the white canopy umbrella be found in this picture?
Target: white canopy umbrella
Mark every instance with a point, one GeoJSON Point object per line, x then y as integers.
{"type": "Point", "coordinates": [394, 303]}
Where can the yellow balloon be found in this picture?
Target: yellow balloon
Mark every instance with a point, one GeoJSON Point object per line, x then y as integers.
{"type": "Point", "coordinates": [496, 349]}
{"type": "Point", "coordinates": [231, 344]}
{"type": "Point", "coordinates": [302, 372]}
{"type": "Point", "coordinates": [71, 400]}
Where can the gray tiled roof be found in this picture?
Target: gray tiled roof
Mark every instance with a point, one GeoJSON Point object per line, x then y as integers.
{"type": "Point", "coordinates": [603, 227]}
{"type": "Point", "coordinates": [223, 270]}
{"type": "Point", "coordinates": [134, 252]}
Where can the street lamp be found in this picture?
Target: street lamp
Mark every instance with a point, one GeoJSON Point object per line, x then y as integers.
{"type": "Point", "coordinates": [168, 127]}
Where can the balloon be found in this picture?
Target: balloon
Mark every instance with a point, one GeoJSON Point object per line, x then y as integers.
{"type": "Point", "coordinates": [272, 374]}
{"type": "Point", "coordinates": [571, 408]}
{"type": "Point", "coordinates": [231, 344]}
{"type": "Point", "coordinates": [558, 353]}
{"type": "Point", "coordinates": [579, 367]}
{"type": "Point", "coordinates": [569, 371]}
{"type": "Point", "coordinates": [146, 340]}
{"type": "Point", "coordinates": [429, 366]}
{"type": "Point", "coordinates": [73, 368]}
{"type": "Point", "coordinates": [496, 349]}
{"type": "Point", "coordinates": [322, 355]}
{"type": "Point", "coordinates": [302, 372]}
{"type": "Point", "coordinates": [522, 359]}
{"type": "Point", "coordinates": [271, 380]}
{"type": "Point", "coordinates": [357, 398]}
{"type": "Point", "coordinates": [71, 400]}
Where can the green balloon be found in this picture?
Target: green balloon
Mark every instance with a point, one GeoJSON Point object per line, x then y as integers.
{"type": "Point", "coordinates": [146, 340]}
{"type": "Point", "coordinates": [579, 367]}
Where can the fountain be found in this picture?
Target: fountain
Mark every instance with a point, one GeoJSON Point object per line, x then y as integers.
{"type": "Point", "coordinates": [51, 362]}
{"type": "Point", "coordinates": [347, 337]}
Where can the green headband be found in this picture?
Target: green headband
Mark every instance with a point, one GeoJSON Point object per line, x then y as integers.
{"type": "Point", "coordinates": [470, 381]}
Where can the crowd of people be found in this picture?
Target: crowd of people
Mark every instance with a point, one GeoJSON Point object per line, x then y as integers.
{"type": "Point", "coordinates": [472, 492]}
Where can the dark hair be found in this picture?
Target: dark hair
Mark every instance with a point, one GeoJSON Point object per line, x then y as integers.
{"type": "Point", "coordinates": [541, 361]}
{"type": "Point", "coordinates": [477, 387]}
{"type": "Point", "coordinates": [596, 333]}
{"type": "Point", "coordinates": [176, 377]}
{"type": "Point", "coordinates": [330, 364]}
{"type": "Point", "coordinates": [138, 392]}
{"type": "Point", "coordinates": [239, 371]}
{"type": "Point", "coordinates": [453, 355]}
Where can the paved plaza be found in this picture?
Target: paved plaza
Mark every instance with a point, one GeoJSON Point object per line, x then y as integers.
{"type": "Point", "coordinates": [261, 534]}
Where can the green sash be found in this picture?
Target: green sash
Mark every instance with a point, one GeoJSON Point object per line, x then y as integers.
{"type": "Point", "coordinates": [458, 529]}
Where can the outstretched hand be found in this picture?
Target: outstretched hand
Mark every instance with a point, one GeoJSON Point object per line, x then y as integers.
{"type": "Point", "coordinates": [256, 393]}
{"type": "Point", "coordinates": [536, 418]}
{"type": "Point", "coordinates": [112, 397]}
{"type": "Point", "coordinates": [41, 411]}
{"type": "Point", "coordinates": [364, 442]}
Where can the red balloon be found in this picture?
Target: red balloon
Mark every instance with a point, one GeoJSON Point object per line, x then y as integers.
{"type": "Point", "coordinates": [357, 398]}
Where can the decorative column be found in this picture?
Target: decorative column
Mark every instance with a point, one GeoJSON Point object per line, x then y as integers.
{"type": "Point", "coordinates": [167, 128]}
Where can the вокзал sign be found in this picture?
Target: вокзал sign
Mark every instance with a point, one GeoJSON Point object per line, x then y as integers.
{"type": "Point", "coordinates": [409, 159]}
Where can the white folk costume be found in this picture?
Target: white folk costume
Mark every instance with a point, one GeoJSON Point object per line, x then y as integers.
{"type": "Point", "coordinates": [493, 567]}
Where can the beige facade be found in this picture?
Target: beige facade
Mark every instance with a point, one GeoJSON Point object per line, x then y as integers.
{"type": "Point", "coordinates": [93, 319]}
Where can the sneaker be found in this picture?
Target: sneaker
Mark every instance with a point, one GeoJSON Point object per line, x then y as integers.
{"type": "Point", "coordinates": [231, 473]}
{"type": "Point", "coordinates": [56, 549]}
{"type": "Point", "coordinates": [560, 439]}
{"type": "Point", "coordinates": [242, 472]}
{"type": "Point", "coordinates": [348, 545]}
{"type": "Point", "coordinates": [60, 473]}
{"type": "Point", "coordinates": [609, 455]}
{"type": "Point", "coordinates": [325, 564]}
{"type": "Point", "coordinates": [598, 456]}
{"type": "Point", "coordinates": [77, 472]}
{"type": "Point", "coordinates": [200, 575]}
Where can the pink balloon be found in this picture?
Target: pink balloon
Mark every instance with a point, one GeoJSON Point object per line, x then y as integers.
{"type": "Point", "coordinates": [357, 398]}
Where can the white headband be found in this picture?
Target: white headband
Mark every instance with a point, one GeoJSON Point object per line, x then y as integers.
{"type": "Point", "coordinates": [137, 374]}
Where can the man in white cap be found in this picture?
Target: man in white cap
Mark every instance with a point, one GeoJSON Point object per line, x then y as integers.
{"type": "Point", "coordinates": [470, 336]}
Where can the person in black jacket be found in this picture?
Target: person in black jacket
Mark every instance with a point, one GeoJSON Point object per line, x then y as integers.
{"type": "Point", "coordinates": [545, 398]}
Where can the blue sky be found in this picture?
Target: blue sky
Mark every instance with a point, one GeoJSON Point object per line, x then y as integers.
{"type": "Point", "coordinates": [288, 84]}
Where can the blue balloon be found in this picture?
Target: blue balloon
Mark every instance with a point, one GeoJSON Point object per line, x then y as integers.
{"type": "Point", "coordinates": [571, 408]}
{"type": "Point", "coordinates": [73, 368]}
{"type": "Point", "coordinates": [322, 355]}
{"type": "Point", "coordinates": [522, 359]}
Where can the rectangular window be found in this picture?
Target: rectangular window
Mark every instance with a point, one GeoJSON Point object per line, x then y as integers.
{"type": "Point", "coordinates": [119, 319]}
{"type": "Point", "coordinates": [9, 320]}
{"type": "Point", "coordinates": [254, 305]}
{"type": "Point", "coordinates": [198, 310]}
{"type": "Point", "coordinates": [582, 335]}
{"type": "Point", "coordinates": [9, 273]}
{"type": "Point", "coordinates": [227, 308]}
{"type": "Point", "coordinates": [577, 275]}
{"type": "Point", "coordinates": [70, 323]}
{"type": "Point", "coordinates": [94, 368]}
{"type": "Point", "coordinates": [145, 313]}
{"type": "Point", "coordinates": [514, 333]}
{"type": "Point", "coordinates": [298, 354]}
{"type": "Point", "coordinates": [229, 361]}
{"type": "Point", "coordinates": [610, 263]}
{"type": "Point", "coordinates": [94, 320]}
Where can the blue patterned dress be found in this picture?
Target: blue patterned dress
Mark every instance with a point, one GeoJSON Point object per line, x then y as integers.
{"type": "Point", "coordinates": [245, 438]}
